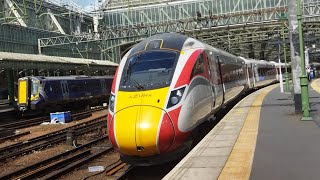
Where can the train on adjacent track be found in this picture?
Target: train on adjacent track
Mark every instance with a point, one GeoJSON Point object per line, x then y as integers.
{"type": "Point", "coordinates": [49, 94]}
{"type": "Point", "coordinates": [168, 85]}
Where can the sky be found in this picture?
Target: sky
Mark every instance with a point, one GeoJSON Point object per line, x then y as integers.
{"type": "Point", "coordinates": [87, 4]}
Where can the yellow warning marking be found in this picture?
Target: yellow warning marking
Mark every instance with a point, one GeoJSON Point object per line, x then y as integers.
{"type": "Point", "coordinates": [138, 125]}
{"type": "Point", "coordinates": [22, 92]}
{"type": "Point", "coordinates": [239, 111]}
{"type": "Point", "coordinates": [315, 85]}
{"type": "Point", "coordinates": [238, 165]}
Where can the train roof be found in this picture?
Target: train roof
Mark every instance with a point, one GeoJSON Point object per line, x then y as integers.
{"type": "Point", "coordinates": [257, 62]}
{"type": "Point", "coordinates": [170, 40]}
{"type": "Point", "coordinates": [175, 41]}
{"type": "Point", "coordinates": [71, 77]}
{"type": "Point", "coordinates": [8, 56]}
{"type": "Point", "coordinates": [217, 51]}
{"type": "Point", "coordinates": [281, 64]}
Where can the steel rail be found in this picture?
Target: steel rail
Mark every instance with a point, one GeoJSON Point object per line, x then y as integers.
{"type": "Point", "coordinates": [44, 170]}
{"type": "Point", "coordinates": [49, 139]}
{"type": "Point", "coordinates": [15, 136]}
{"type": "Point", "coordinates": [43, 145]}
{"type": "Point", "coordinates": [75, 165]}
{"type": "Point", "coordinates": [115, 168]}
{"type": "Point", "coordinates": [124, 174]}
{"type": "Point", "coordinates": [35, 121]}
{"type": "Point", "coordinates": [51, 159]}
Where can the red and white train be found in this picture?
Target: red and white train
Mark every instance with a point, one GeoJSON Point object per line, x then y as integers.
{"type": "Point", "coordinates": [166, 86]}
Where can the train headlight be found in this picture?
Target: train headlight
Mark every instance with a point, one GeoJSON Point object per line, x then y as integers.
{"type": "Point", "coordinates": [175, 97]}
{"type": "Point", "coordinates": [111, 102]}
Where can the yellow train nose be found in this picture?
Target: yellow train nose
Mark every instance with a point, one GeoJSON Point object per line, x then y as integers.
{"type": "Point", "coordinates": [136, 130]}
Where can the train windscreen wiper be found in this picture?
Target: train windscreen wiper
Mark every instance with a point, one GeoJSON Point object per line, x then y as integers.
{"type": "Point", "coordinates": [128, 74]}
{"type": "Point", "coordinates": [136, 84]}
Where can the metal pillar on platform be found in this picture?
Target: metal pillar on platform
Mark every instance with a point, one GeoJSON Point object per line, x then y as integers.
{"type": "Point", "coordinates": [280, 73]}
{"type": "Point", "coordinates": [304, 83]}
{"type": "Point", "coordinates": [286, 76]}
{"type": "Point", "coordinates": [295, 57]}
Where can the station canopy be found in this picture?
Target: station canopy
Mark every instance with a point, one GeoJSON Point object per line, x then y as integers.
{"type": "Point", "coordinates": [31, 61]}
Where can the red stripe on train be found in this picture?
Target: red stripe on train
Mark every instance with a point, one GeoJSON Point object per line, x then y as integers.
{"type": "Point", "coordinates": [184, 77]}
{"type": "Point", "coordinates": [114, 81]}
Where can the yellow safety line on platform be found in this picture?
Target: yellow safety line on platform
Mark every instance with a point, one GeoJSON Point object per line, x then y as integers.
{"type": "Point", "coordinates": [315, 85]}
{"type": "Point", "coordinates": [239, 163]}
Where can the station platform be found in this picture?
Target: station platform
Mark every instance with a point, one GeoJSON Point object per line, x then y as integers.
{"type": "Point", "coordinates": [260, 138]}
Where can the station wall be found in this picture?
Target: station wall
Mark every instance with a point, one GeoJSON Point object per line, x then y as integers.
{"type": "Point", "coordinates": [18, 39]}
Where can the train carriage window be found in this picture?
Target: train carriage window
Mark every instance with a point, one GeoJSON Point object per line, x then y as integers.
{"type": "Point", "coordinates": [47, 88]}
{"type": "Point", "coordinates": [35, 87]}
{"type": "Point", "coordinates": [198, 67]}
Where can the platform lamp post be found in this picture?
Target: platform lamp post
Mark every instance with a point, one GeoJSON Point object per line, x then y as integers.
{"type": "Point", "coordinates": [283, 18]}
{"type": "Point", "coordinates": [303, 78]}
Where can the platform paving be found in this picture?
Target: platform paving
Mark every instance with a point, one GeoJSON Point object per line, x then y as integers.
{"type": "Point", "coordinates": [208, 158]}
{"type": "Point", "coordinates": [260, 138]}
{"type": "Point", "coordinates": [287, 148]}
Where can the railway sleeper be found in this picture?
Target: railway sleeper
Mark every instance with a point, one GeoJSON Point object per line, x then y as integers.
{"type": "Point", "coordinates": [71, 167]}
{"type": "Point", "coordinates": [12, 147]}
{"type": "Point", "coordinates": [31, 149]}
{"type": "Point", "coordinates": [20, 146]}
{"type": "Point", "coordinates": [56, 140]}
{"type": "Point", "coordinates": [39, 120]}
{"type": "Point", "coordinates": [51, 159]}
{"type": "Point", "coordinates": [51, 167]}
{"type": "Point", "coordinates": [15, 136]}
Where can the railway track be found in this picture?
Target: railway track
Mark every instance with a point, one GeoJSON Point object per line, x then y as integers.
{"type": "Point", "coordinates": [61, 164]}
{"type": "Point", "coordinates": [66, 162]}
{"type": "Point", "coordinates": [36, 121]}
{"type": "Point", "coordinates": [15, 136]}
{"type": "Point", "coordinates": [120, 165]}
{"type": "Point", "coordinates": [50, 139]}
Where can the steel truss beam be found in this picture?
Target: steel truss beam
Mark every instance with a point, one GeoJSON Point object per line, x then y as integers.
{"type": "Point", "coordinates": [69, 39]}
{"type": "Point", "coordinates": [13, 9]}
{"type": "Point", "coordinates": [47, 16]}
{"type": "Point", "coordinates": [241, 27]}
{"type": "Point", "coordinates": [224, 12]}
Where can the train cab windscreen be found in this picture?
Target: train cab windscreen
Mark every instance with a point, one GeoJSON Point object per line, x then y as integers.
{"type": "Point", "coordinates": [34, 88]}
{"type": "Point", "coordinates": [148, 70]}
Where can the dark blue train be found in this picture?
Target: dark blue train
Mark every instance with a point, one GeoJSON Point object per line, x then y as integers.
{"type": "Point", "coordinates": [48, 94]}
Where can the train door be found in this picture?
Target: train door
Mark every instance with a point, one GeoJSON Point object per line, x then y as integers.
{"type": "Point", "coordinates": [208, 68]}
{"type": "Point", "coordinates": [253, 75]}
{"type": "Point", "coordinates": [65, 90]}
{"type": "Point", "coordinates": [199, 97]}
{"type": "Point", "coordinates": [23, 93]}
{"type": "Point", "coordinates": [220, 84]}
{"type": "Point", "coordinates": [248, 75]}
{"type": "Point", "coordinates": [256, 73]}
